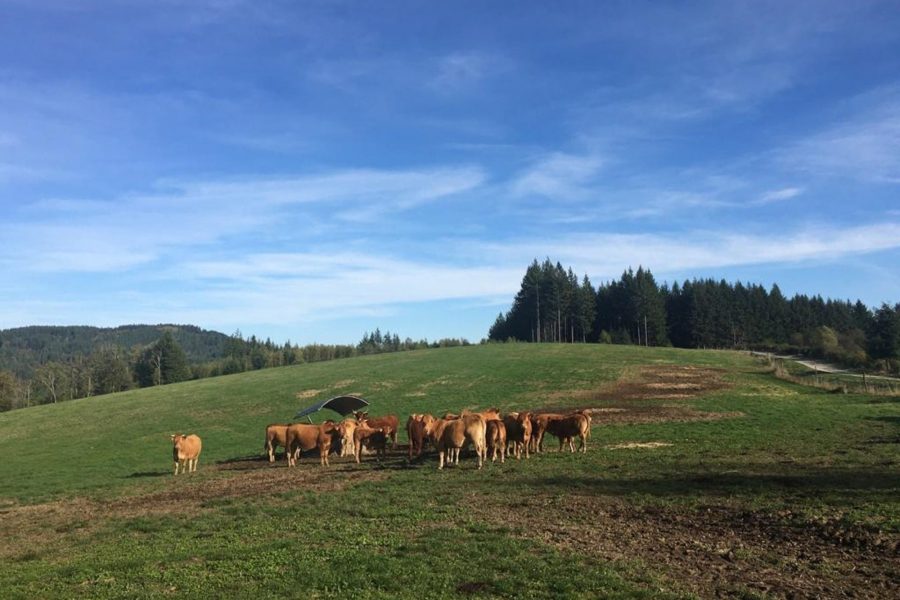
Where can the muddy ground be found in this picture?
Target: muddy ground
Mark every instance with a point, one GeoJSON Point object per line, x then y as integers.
{"type": "Point", "coordinates": [712, 551]}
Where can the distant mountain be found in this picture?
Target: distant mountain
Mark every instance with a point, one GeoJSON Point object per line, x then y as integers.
{"type": "Point", "coordinates": [24, 348]}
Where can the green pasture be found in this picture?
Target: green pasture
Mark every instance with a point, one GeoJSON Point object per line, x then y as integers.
{"type": "Point", "coordinates": [407, 530]}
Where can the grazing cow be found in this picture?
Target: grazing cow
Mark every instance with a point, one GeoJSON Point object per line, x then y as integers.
{"type": "Point", "coordinates": [299, 438]}
{"type": "Point", "coordinates": [276, 435]}
{"type": "Point", "coordinates": [518, 433]}
{"type": "Point", "coordinates": [375, 439]}
{"type": "Point", "coordinates": [539, 424]}
{"type": "Point", "coordinates": [390, 424]}
{"type": "Point", "coordinates": [329, 432]}
{"type": "Point", "coordinates": [415, 431]}
{"type": "Point", "coordinates": [347, 427]}
{"type": "Point", "coordinates": [450, 435]}
{"type": "Point", "coordinates": [495, 438]}
{"type": "Point", "coordinates": [186, 451]}
{"type": "Point", "coordinates": [566, 429]}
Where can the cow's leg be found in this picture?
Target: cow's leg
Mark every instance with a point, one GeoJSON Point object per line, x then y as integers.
{"type": "Point", "coordinates": [440, 459]}
{"type": "Point", "coordinates": [176, 467]}
{"type": "Point", "coordinates": [583, 444]}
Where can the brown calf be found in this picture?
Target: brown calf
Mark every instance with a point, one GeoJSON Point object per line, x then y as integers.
{"type": "Point", "coordinates": [275, 436]}
{"type": "Point", "coordinates": [495, 438]}
{"type": "Point", "coordinates": [375, 439]}
{"type": "Point", "coordinates": [186, 451]}
{"type": "Point", "coordinates": [449, 437]}
{"type": "Point", "coordinates": [415, 431]}
{"type": "Point", "coordinates": [299, 438]}
{"type": "Point", "coordinates": [567, 428]}
{"type": "Point", "coordinates": [390, 424]}
{"type": "Point", "coordinates": [518, 433]}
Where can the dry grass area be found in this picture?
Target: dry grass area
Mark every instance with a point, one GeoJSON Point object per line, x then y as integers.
{"type": "Point", "coordinates": [713, 551]}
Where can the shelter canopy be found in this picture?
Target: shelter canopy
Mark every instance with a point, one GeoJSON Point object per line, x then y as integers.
{"type": "Point", "coordinates": [343, 405]}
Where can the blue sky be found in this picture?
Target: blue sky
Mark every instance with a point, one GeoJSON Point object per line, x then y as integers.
{"type": "Point", "coordinates": [309, 171]}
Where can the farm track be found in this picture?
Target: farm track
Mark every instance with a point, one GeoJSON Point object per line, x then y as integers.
{"type": "Point", "coordinates": [713, 551]}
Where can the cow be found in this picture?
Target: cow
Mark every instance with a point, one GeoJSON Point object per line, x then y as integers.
{"type": "Point", "coordinates": [566, 429]}
{"type": "Point", "coordinates": [275, 436]}
{"type": "Point", "coordinates": [328, 433]}
{"type": "Point", "coordinates": [518, 433]}
{"type": "Point", "coordinates": [374, 438]}
{"type": "Point", "coordinates": [495, 438]}
{"type": "Point", "coordinates": [186, 451]}
{"type": "Point", "coordinates": [347, 427]}
{"type": "Point", "coordinates": [390, 424]}
{"type": "Point", "coordinates": [450, 435]}
{"type": "Point", "coordinates": [415, 431]}
{"type": "Point", "coordinates": [539, 424]}
{"type": "Point", "coordinates": [299, 438]}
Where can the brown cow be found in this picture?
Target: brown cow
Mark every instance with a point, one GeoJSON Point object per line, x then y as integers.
{"type": "Point", "coordinates": [347, 427]}
{"type": "Point", "coordinates": [328, 433]}
{"type": "Point", "coordinates": [539, 424]}
{"type": "Point", "coordinates": [375, 439]}
{"type": "Point", "coordinates": [449, 436]}
{"type": "Point", "coordinates": [495, 438]}
{"type": "Point", "coordinates": [518, 433]}
{"type": "Point", "coordinates": [415, 431]}
{"type": "Point", "coordinates": [390, 424]}
{"type": "Point", "coordinates": [186, 451]}
{"type": "Point", "coordinates": [275, 436]}
{"type": "Point", "coordinates": [299, 438]}
{"type": "Point", "coordinates": [566, 429]}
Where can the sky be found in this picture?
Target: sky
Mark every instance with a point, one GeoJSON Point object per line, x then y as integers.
{"type": "Point", "coordinates": [311, 171]}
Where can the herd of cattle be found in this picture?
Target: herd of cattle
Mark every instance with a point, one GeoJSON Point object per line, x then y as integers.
{"type": "Point", "coordinates": [488, 432]}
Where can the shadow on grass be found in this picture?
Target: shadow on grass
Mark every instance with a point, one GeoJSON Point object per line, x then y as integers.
{"type": "Point", "coordinates": [858, 482]}
{"type": "Point", "coordinates": [141, 474]}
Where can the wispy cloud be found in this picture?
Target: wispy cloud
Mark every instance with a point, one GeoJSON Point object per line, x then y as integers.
{"type": "Point", "coordinates": [863, 143]}
{"type": "Point", "coordinates": [779, 195]}
{"type": "Point", "coordinates": [66, 235]}
{"type": "Point", "coordinates": [559, 176]}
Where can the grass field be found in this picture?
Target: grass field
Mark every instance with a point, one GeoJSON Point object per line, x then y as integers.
{"type": "Point", "coordinates": [705, 476]}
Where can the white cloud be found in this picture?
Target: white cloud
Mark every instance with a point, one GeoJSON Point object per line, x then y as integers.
{"type": "Point", "coordinates": [92, 236]}
{"type": "Point", "coordinates": [778, 195]}
{"type": "Point", "coordinates": [863, 145]}
{"type": "Point", "coordinates": [559, 176]}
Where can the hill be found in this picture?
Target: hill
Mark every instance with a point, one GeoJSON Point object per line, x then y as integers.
{"type": "Point", "coordinates": [704, 475]}
{"type": "Point", "coordinates": [24, 348]}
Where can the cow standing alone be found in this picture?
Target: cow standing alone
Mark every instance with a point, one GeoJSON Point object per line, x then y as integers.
{"type": "Point", "coordinates": [186, 452]}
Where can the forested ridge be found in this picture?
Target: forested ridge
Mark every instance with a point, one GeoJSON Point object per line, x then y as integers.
{"type": "Point", "coordinates": [41, 365]}
{"type": "Point", "coordinates": [554, 305]}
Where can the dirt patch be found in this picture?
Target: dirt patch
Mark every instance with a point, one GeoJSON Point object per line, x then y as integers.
{"type": "Point", "coordinates": [652, 382]}
{"type": "Point", "coordinates": [714, 551]}
{"type": "Point", "coordinates": [307, 394]}
{"type": "Point", "coordinates": [640, 414]}
{"type": "Point", "coordinates": [344, 383]}
{"type": "Point", "coordinates": [635, 445]}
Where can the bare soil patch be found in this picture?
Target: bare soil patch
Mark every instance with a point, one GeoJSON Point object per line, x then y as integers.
{"type": "Point", "coordinates": [307, 394]}
{"type": "Point", "coordinates": [636, 445]}
{"type": "Point", "coordinates": [649, 382]}
{"type": "Point", "coordinates": [714, 551]}
{"type": "Point", "coordinates": [657, 414]}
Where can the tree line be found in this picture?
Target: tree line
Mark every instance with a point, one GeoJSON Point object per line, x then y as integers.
{"type": "Point", "coordinates": [553, 305]}
{"type": "Point", "coordinates": [111, 368]}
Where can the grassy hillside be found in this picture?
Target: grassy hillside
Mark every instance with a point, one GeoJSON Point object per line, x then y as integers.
{"type": "Point", "coordinates": [704, 475]}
